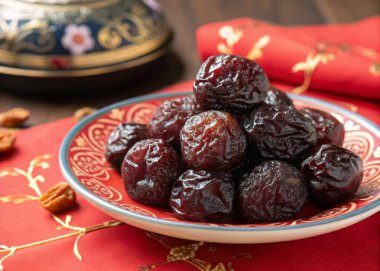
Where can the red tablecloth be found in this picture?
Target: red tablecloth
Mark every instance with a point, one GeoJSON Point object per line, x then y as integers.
{"type": "Point", "coordinates": [127, 248]}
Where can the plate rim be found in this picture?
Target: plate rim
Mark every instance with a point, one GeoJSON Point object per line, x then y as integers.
{"type": "Point", "coordinates": [95, 199]}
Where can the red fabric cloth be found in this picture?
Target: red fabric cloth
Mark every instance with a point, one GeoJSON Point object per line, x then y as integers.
{"type": "Point", "coordinates": [344, 59]}
{"type": "Point", "coordinates": [128, 248]}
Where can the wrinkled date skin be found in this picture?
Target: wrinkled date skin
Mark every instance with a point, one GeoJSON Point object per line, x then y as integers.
{"type": "Point", "coordinates": [281, 133]}
{"type": "Point", "coordinates": [212, 140]}
{"type": "Point", "coordinates": [230, 83]}
{"type": "Point", "coordinates": [169, 118]}
{"type": "Point", "coordinates": [274, 96]}
{"type": "Point", "coordinates": [199, 195]}
{"type": "Point", "coordinates": [272, 191]}
{"type": "Point", "coordinates": [334, 174]}
{"type": "Point", "coordinates": [148, 171]}
{"type": "Point", "coordinates": [122, 138]}
{"type": "Point", "coordinates": [329, 129]}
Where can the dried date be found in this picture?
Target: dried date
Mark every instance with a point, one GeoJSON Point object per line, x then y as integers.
{"type": "Point", "coordinates": [199, 195]}
{"type": "Point", "coordinates": [149, 169]}
{"type": "Point", "coordinates": [272, 191]}
{"type": "Point", "coordinates": [230, 83]}
{"type": "Point", "coordinates": [212, 140]}
{"type": "Point", "coordinates": [281, 133]}
{"type": "Point", "coordinates": [333, 173]}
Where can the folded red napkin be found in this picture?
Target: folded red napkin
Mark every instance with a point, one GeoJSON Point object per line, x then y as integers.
{"type": "Point", "coordinates": [342, 58]}
{"type": "Point", "coordinates": [106, 245]}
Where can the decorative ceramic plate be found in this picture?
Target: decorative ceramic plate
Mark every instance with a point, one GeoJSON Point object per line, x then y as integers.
{"type": "Point", "coordinates": [85, 168]}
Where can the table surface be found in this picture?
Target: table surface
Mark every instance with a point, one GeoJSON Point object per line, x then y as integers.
{"type": "Point", "coordinates": [182, 62]}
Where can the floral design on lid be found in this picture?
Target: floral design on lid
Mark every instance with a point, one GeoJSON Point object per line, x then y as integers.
{"type": "Point", "coordinates": [78, 39]}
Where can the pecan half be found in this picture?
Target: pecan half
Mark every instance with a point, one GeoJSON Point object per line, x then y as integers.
{"type": "Point", "coordinates": [7, 139]}
{"type": "Point", "coordinates": [14, 117]}
{"type": "Point", "coordinates": [58, 198]}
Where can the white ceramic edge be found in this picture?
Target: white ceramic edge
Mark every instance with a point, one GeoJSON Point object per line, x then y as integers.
{"type": "Point", "coordinates": [236, 237]}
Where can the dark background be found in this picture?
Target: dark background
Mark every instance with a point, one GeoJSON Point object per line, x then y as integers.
{"type": "Point", "coordinates": [185, 16]}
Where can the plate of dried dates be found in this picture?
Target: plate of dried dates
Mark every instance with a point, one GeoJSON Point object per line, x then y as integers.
{"type": "Point", "coordinates": [234, 161]}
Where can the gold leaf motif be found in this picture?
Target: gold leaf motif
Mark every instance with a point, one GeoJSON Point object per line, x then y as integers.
{"type": "Point", "coordinates": [177, 252]}
{"type": "Point", "coordinates": [219, 267]}
{"type": "Point", "coordinates": [80, 141]}
{"type": "Point", "coordinates": [33, 181]}
{"type": "Point", "coordinates": [231, 36]}
{"type": "Point", "coordinates": [10, 250]}
{"type": "Point", "coordinates": [109, 37]}
{"type": "Point", "coordinates": [183, 252]}
{"type": "Point", "coordinates": [117, 114]}
{"type": "Point", "coordinates": [14, 35]}
{"type": "Point", "coordinates": [222, 48]}
{"type": "Point", "coordinates": [256, 52]}
{"type": "Point", "coordinates": [369, 53]}
{"type": "Point", "coordinates": [129, 27]}
{"type": "Point", "coordinates": [8, 173]}
{"type": "Point", "coordinates": [308, 67]}
{"type": "Point", "coordinates": [75, 249]}
{"type": "Point", "coordinates": [374, 69]}
{"type": "Point", "coordinates": [17, 199]}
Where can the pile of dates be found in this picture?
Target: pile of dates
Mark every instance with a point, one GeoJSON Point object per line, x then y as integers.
{"type": "Point", "coordinates": [236, 150]}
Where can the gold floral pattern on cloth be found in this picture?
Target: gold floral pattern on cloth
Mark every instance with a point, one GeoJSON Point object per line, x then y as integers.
{"type": "Point", "coordinates": [308, 67]}
{"type": "Point", "coordinates": [186, 251]}
{"type": "Point", "coordinates": [179, 250]}
{"type": "Point", "coordinates": [33, 182]}
{"type": "Point", "coordinates": [371, 54]}
{"type": "Point", "coordinates": [323, 53]}
{"type": "Point", "coordinates": [232, 35]}
{"type": "Point", "coordinates": [374, 69]}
